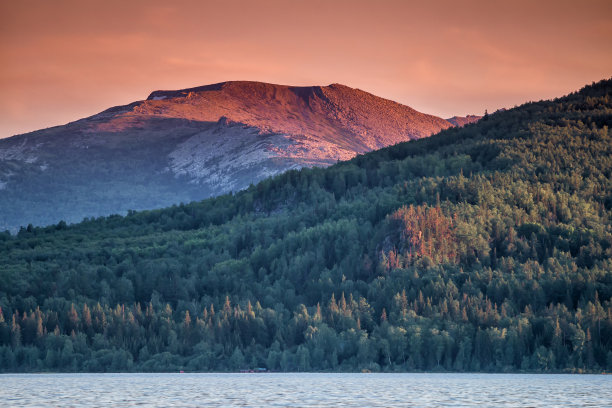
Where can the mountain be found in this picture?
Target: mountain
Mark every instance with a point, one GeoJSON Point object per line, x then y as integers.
{"type": "Point", "coordinates": [463, 120]}
{"type": "Point", "coordinates": [180, 146]}
{"type": "Point", "coordinates": [481, 248]}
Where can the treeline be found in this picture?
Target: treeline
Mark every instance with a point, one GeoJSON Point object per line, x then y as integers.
{"type": "Point", "coordinates": [485, 248]}
{"type": "Point", "coordinates": [467, 334]}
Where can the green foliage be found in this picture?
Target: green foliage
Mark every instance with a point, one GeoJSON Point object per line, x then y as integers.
{"type": "Point", "coordinates": [484, 248]}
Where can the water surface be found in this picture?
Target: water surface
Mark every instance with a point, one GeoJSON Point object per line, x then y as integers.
{"type": "Point", "coordinates": [305, 390]}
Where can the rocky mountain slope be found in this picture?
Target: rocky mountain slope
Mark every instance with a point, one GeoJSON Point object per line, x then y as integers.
{"type": "Point", "coordinates": [461, 121]}
{"type": "Point", "coordinates": [180, 146]}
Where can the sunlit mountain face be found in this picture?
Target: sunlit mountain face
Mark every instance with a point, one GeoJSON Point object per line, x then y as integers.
{"type": "Point", "coordinates": [185, 145]}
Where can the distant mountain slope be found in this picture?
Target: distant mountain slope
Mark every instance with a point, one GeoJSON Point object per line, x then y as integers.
{"type": "Point", "coordinates": [481, 248]}
{"type": "Point", "coordinates": [461, 121]}
{"type": "Point", "coordinates": [348, 119]}
{"type": "Point", "coordinates": [179, 146]}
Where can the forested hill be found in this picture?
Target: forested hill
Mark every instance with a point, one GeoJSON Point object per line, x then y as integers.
{"type": "Point", "coordinates": [482, 248]}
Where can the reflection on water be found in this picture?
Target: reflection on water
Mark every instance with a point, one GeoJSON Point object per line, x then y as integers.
{"type": "Point", "coordinates": [305, 390]}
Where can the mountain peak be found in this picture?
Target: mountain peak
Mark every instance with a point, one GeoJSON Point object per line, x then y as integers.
{"type": "Point", "coordinates": [189, 144]}
{"type": "Point", "coordinates": [234, 86]}
{"type": "Point", "coordinates": [353, 119]}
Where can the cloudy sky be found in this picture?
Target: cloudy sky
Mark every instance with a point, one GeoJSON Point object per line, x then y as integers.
{"type": "Point", "coordinates": [64, 60]}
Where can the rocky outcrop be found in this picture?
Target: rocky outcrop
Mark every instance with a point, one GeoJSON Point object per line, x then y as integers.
{"type": "Point", "coordinates": [179, 146]}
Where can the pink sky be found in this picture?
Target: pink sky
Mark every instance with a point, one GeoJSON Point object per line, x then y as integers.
{"type": "Point", "coordinates": [64, 60]}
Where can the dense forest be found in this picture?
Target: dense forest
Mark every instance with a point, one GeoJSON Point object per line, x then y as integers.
{"type": "Point", "coordinates": [483, 248]}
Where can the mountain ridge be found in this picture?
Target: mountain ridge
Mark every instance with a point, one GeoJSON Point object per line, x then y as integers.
{"type": "Point", "coordinates": [185, 145]}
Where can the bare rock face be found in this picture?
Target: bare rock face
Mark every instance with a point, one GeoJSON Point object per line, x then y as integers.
{"type": "Point", "coordinates": [185, 145]}
{"type": "Point", "coordinates": [328, 123]}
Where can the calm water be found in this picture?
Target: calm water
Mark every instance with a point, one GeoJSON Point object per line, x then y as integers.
{"type": "Point", "coordinates": [305, 390]}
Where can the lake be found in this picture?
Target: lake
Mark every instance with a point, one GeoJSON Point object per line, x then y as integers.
{"type": "Point", "coordinates": [305, 390]}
